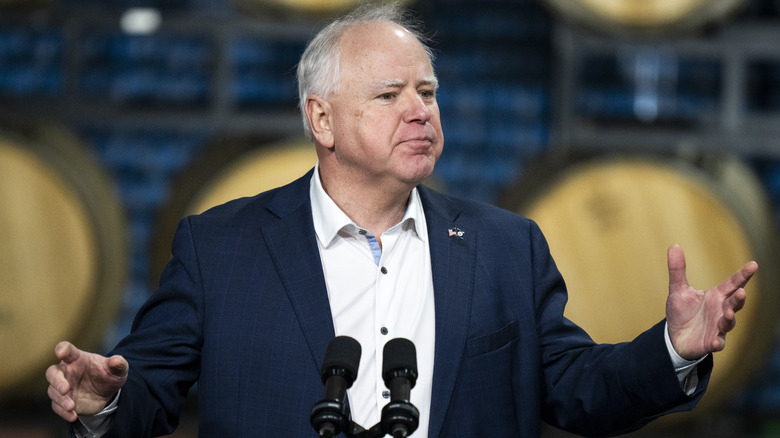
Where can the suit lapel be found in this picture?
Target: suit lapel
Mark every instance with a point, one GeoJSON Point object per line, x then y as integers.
{"type": "Point", "coordinates": [453, 263]}
{"type": "Point", "coordinates": [292, 244]}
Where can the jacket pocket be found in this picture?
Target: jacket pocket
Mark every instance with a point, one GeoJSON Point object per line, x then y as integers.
{"type": "Point", "coordinates": [493, 341]}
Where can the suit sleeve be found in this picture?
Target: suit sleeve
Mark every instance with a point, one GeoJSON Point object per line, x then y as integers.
{"type": "Point", "coordinates": [164, 347]}
{"type": "Point", "coordinates": [597, 390]}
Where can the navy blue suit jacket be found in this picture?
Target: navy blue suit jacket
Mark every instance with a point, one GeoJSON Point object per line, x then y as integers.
{"type": "Point", "coordinates": [242, 310]}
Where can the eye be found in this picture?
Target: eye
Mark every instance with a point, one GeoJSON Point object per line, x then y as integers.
{"type": "Point", "coordinates": [386, 96]}
{"type": "Point", "coordinates": [428, 94]}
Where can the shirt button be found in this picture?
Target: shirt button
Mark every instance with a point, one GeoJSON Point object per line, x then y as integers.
{"type": "Point", "coordinates": [385, 394]}
{"type": "Point", "coordinates": [383, 330]}
{"type": "Point", "coordinates": [362, 232]}
{"type": "Point", "coordinates": [384, 270]}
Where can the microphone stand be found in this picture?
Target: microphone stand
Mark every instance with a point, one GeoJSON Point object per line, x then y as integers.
{"type": "Point", "coordinates": [394, 413]}
{"type": "Point", "coordinates": [356, 431]}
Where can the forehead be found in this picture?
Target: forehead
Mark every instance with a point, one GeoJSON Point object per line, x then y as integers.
{"type": "Point", "coordinates": [377, 46]}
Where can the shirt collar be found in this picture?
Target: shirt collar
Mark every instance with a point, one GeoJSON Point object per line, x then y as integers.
{"type": "Point", "coordinates": [329, 219]}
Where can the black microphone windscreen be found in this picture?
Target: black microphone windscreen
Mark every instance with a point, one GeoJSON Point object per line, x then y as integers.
{"type": "Point", "coordinates": [343, 356]}
{"type": "Point", "coordinates": [399, 354]}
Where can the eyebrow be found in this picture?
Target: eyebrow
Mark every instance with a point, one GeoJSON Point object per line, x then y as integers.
{"type": "Point", "coordinates": [431, 80]}
{"type": "Point", "coordinates": [398, 83]}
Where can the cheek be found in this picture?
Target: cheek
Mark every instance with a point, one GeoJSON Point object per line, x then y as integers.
{"type": "Point", "coordinates": [439, 137]}
{"type": "Point", "coordinates": [378, 126]}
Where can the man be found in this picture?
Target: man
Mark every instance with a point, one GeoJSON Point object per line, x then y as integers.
{"type": "Point", "coordinates": [258, 287]}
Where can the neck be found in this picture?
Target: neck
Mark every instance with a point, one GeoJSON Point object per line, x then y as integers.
{"type": "Point", "coordinates": [374, 207]}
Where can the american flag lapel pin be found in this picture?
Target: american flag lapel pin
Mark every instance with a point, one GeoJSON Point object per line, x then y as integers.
{"type": "Point", "coordinates": [457, 232]}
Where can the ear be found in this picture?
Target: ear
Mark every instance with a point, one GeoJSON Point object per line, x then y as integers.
{"type": "Point", "coordinates": [318, 111]}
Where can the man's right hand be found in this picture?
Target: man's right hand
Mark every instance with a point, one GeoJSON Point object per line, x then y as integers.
{"type": "Point", "coordinates": [83, 383]}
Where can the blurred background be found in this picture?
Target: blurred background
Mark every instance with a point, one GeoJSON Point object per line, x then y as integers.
{"type": "Point", "coordinates": [621, 126]}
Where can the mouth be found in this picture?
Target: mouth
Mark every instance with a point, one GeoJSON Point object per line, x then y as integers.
{"type": "Point", "coordinates": [418, 146]}
{"type": "Point", "coordinates": [419, 142]}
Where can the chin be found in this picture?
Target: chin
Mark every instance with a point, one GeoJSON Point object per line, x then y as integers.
{"type": "Point", "coordinates": [419, 178]}
{"type": "Point", "coordinates": [418, 171]}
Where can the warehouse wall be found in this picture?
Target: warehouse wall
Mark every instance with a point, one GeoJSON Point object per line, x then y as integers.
{"type": "Point", "coordinates": [166, 111]}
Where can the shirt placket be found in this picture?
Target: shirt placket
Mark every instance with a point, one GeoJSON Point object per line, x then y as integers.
{"type": "Point", "coordinates": [383, 297]}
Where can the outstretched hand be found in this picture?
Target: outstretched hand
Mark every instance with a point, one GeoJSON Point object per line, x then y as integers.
{"type": "Point", "coordinates": [83, 383]}
{"type": "Point", "coordinates": [698, 320]}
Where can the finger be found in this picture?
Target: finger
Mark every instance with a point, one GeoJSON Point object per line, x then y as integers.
{"type": "Point", "coordinates": [63, 400]}
{"type": "Point", "coordinates": [738, 279]}
{"type": "Point", "coordinates": [66, 352]}
{"type": "Point", "coordinates": [62, 405]}
{"type": "Point", "coordinates": [67, 415]}
{"type": "Point", "coordinates": [57, 380]}
{"type": "Point", "coordinates": [676, 262]}
{"type": "Point", "coordinates": [727, 322]}
{"type": "Point", "coordinates": [719, 343]}
{"type": "Point", "coordinates": [737, 300]}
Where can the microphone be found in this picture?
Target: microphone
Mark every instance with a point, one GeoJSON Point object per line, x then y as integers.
{"type": "Point", "coordinates": [399, 371]}
{"type": "Point", "coordinates": [339, 371]}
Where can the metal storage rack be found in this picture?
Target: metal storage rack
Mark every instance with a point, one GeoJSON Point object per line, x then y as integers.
{"type": "Point", "coordinates": [218, 111]}
{"type": "Point", "coordinates": [731, 126]}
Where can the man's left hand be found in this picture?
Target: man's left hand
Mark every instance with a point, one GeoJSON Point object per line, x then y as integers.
{"type": "Point", "coordinates": [698, 320]}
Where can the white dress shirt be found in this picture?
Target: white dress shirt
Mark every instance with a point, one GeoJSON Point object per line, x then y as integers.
{"type": "Point", "coordinates": [377, 295]}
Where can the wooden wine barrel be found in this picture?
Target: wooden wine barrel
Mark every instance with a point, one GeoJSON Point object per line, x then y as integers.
{"type": "Point", "coordinates": [609, 220]}
{"type": "Point", "coordinates": [317, 8]}
{"type": "Point", "coordinates": [645, 18]}
{"type": "Point", "coordinates": [62, 252]}
{"type": "Point", "coordinates": [228, 169]}
{"type": "Point", "coordinates": [24, 5]}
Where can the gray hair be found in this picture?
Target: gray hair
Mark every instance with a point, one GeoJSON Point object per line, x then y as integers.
{"type": "Point", "coordinates": [318, 70]}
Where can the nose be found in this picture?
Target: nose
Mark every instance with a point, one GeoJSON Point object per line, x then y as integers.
{"type": "Point", "coordinates": [418, 109]}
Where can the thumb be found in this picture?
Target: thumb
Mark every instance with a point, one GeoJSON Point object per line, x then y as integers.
{"type": "Point", "coordinates": [117, 366]}
{"type": "Point", "coordinates": [676, 262]}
